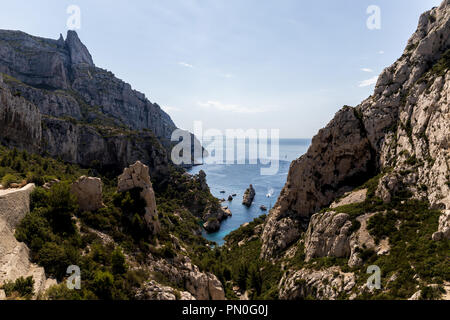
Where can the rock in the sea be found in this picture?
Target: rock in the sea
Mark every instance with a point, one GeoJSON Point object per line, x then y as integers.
{"type": "Point", "coordinates": [263, 208]}
{"type": "Point", "coordinates": [230, 198]}
{"type": "Point", "coordinates": [88, 191]}
{"type": "Point", "coordinates": [249, 195]}
{"type": "Point", "coordinates": [227, 212]}
{"type": "Point", "coordinates": [212, 225]}
{"type": "Point", "coordinates": [137, 176]}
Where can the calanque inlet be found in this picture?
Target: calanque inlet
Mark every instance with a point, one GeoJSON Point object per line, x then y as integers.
{"type": "Point", "coordinates": [86, 180]}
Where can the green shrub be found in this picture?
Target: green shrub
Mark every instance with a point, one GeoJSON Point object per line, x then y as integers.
{"type": "Point", "coordinates": [23, 286]}
{"type": "Point", "coordinates": [118, 262]}
{"type": "Point", "coordinates": [8, 180]}
{"type": "Point", "coordinates": [103, 284]}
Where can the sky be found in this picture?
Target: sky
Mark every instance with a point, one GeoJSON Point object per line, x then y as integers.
{"type": "Point", "coordinates": [236, 64]}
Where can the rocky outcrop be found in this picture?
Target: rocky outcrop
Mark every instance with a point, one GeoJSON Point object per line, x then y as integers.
{"type": "Point", "coordinates": [332, 234]}
{"type": "Point", "coordinates": [15, 204]}
{"type": "Point", "coordinates": [339, 159]}
{"type": "Point", "coordinates": [152, 290]}
{"type": "Point", "coordinates": [249, 195]}
{"type": "Point", "coordinates": [214, 215]}
{"type": "Point", "coordinates": [88, 191]}
{"type": "Point", "coordinates": [78, 52]}
{"type": "Point", "coordinates": [182, 273]}
{"type": "Point", "coordinates": [326, 284]}
{"type": "Point", "coordinates": [443, 232]}
{"type": "Point", "coordinates": [404, 125]}
{"type": "Point", "coordinates": [212, 225]}
{"type": "Point", "coordinates": [14, 255]}
{"type": "Point", "coordinates": [328, 235]}
{"type": "Point", "coordinates": [357, 196]}
{"type": "Point", "coordinates": [137, 176]}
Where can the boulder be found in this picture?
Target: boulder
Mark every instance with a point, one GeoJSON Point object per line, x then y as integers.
{"type": "Point", "coordinates": [88, 191]}
{"type": "Point", "coordinates": [181, 272]}
{"type": "Point", "coordinates": [328, 235]}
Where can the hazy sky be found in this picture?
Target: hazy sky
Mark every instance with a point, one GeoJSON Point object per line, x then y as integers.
{"type": "Point", "coordinates": [262, 64]}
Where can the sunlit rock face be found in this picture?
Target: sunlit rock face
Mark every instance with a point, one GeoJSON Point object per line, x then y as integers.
{"type": "Point", "coordinates": [404, 126]}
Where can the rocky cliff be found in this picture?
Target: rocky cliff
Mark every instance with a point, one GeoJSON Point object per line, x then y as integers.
{"type": "Point", "coordinates": [55, 100]}
{"type": "Point", "coordinates": [401, 131]}
{"type": "Point", "coordinates": [14, 255]}
{"type": "Point", "coordinates": [60, 78]}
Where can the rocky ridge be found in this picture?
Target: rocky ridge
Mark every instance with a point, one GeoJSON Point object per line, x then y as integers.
{"type": "Point", "coordinates": [380, 168]}
{"type": "Point", "coordinates": [403, 128]}
{"type": "Point", "coordinates": [56, 101]}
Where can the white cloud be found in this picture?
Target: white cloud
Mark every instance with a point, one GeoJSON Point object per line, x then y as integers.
{"type": "Point", "coordinates": [169, 109]}
{"type": "Point", "coordinates": [366, 70]}
{"type": "Point", "coordinates": [381, 52]}
{"type": "Point", "coordinates": [229, 107]}
{"type": "Point", "coordinates": [228, 75]}
{"type": "Point", "coordinates": [368, 82]}
{"type": "Point", "coordinates": [184, 64]}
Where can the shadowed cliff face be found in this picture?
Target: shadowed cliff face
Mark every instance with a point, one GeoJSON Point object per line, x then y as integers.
{"type": "Point", "coordinates": [20, 121]}
{"type": "Point", "coordinates": [403, 128]}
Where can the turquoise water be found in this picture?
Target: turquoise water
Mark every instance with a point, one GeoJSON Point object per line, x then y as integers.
{"type": "Point", "coordinates": [235, 179]}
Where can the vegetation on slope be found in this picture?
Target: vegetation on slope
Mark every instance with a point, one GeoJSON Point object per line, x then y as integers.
{"type": "Point", "coordinates": [414, 260]}
{"type": "Point", "coordinates": [59, 234]}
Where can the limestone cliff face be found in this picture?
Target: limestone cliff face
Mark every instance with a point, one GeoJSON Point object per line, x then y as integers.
{"type": "Point", "coordinates": [15, 256]}
{"type": "Point", "coordinates": [55, 100]}
{"type": "Point", "coordinates": [20, 121]}
{"type": "Point", "coordinates": [108, 147]}
{"type": "Point", "coordinates": [73, 85]}
{"type": "Point", "coordinates": [404, 126]}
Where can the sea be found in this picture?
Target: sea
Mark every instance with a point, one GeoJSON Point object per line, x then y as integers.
{"type": "Point", "coordinates": [236, 177]}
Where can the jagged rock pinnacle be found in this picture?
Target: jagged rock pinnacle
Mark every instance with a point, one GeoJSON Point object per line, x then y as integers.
{"type": "Point", "coordinates": [79, 54]}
